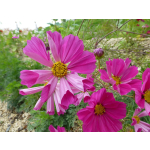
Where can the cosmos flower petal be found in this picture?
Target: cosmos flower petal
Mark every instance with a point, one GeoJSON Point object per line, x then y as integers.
{"type": "Point", "coordinates": [61, 129]}
{"type": "Point", "coordinates": [104, 75]}
{"type": "Point", "coordinates": [137, 111]}
{"type": "Point", "coordinates": [129, 74]}
{"type": "Point", "coordinates": [50, 106]}
{"type": "Point", "coordinates": [72, 47]}
{"type": "Point", "coordinates": [38, 105]}
{"type": "Point", "coordinates": [146, 83]}
{"type": "Point", "coordinates": [52, 129]}
{"type": "Point", "coordinates": [80, 65]}
{"type": "Point", "coordinates": [31, 90]}
{"type": "Point", "coordinates": [135, 84]}
{"type": "Point", "coordinates": [123, 89]}
{"type": "Point", "coordinates": [31, 77]}
{"type": "Point", "coordinates": [36, 50]}
{"type": "Point", "coordinates": [147, 108]}
{"type": "Point", "coordinates": [54, 40]}
{"type": "Point", "coordinates": [145, 73]}
{"type": "Point", "coordinates": [142, 114]}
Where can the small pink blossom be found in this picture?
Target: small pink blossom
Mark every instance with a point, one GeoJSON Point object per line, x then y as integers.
{"type": "Point", "coordinates": [103, 113]}
{"type": "Point", "coordinates": [120, 75]}
{"type": "Point", "coordinates": [148, 32]}
{"type": "Point", "coordinates": [15, 37]}
{"type": "Point", "coordinates": [145, 26]}
{"type": "Point", "coordinates": [137, 25]}
{"type": "Point", "coordinates": [137, 123]}
{"type": "Point", "coordinates": [140, 20]}
{"type": "Point", "coordinates": [59, 129]}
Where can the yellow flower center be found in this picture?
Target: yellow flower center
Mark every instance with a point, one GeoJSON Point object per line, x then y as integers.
{"type": "Point", "coordinates": [117, 79]}
{"type": "Point", "coordinates": [147, 96]}
{"type": "Point", "coordinates": [99, 109]}
{"type": "Point", "coordinates": [59, 69]}
{"type": "Point", "coordinates": [137, 119]}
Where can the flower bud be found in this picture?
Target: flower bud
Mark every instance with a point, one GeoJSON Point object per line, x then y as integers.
{"type": "Point", "coordinates": [98, 53]}
{"type": "Point", "coordinates": [47, 48]}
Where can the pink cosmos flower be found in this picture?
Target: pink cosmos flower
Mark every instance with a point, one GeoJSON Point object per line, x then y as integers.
{"type": "Point", "coordinates": [120, 75]}
{"type": "Point", "coordinates": [68, 57]}
{"type": "Point", "coordinates": [15, 37]}
{"type": "Point", "coordinates": [103, 113]}
{"type": "Point", "coordinates": [145, 26]}
{"type": "Point", "coordinates": [148, 32]}
{"type": "Point", "coordinates": [140, 20]}
{"type": "Point", "coordinates": [137, 123]}
{"type": "Point", "coordinates": [142, 94]}
{"type": "Point", "coordinates": [59, 129]}
{"type": "Point", "coordinates": [137, 25]}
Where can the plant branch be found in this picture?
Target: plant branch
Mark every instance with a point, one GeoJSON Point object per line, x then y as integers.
{"type": "Point", "coordinates": [80, 26]}
{"type": "Point", "coordinates": [112, 32]}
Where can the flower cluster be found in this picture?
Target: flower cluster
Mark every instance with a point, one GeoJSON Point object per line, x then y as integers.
{"type": "Point", "coordinates": [61, 84]}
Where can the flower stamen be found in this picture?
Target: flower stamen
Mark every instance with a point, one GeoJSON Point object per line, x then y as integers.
{"type": "Point", "coordinates": [117, 79]}
{"type": "Point", "coordinates": [99, 109]}
{"type": "Point", "coordinates": [147, 96]}
{"type": "Point", "coordinates": [137, 119]}
{"type": "Point", "coordinates": [59, 69]}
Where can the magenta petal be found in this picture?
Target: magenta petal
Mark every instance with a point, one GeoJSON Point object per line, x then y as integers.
{"type": "Point", "coordinates": [104, 75]}
{"type": "Point", "coordinates": [79, 98]}
{"type": "Point", "coordinates": [117, 113]}
{"type": "Point", "coordinates": [61, 129]}
{"type": "Point", "coordinates": [86, 97]}
{"type": "Point", "coordinates": [137, 111]}
{"type": "Point", "coordinates": [109, 67]}
{"type": "Point", "coordinates": [147, 108]}
{"type": "Point", "coordinates": [138, 99]}
{"type": "Point", "coordinates": [76, 81]}
{"type": "Point", "coordinates": [142, 114]}
{"type": "Point", "coordinates": [52, 129]}
{"type": "Point", "coordinates": [129, 74]}
{"type": "Point", "coordinates": [31, 77]}
{"type": "Point", "coordinates": [146, 83]}
{"type": "Point", "coordinates": [118, 66]}
{"type": "Point", "coordinates": [36, 50]}
{"type": "Point", "coordinates": [50, 106]}
{"type": "Point", "coordinates": [135, 84]}
{"type": "Point", "coordinates": [54, 40]}
{"type": "Point", "coordinates": [30, 90]}
{"type": "Point", "coordinates": [38, 105]}
{"type": "Point", "coordinates": [80, 65]}
{"type": "Point", "coordinates": [49, 89]}
{"type": "Point", "coordinates": [134, 122]}
{"type": "Point", "coordinates": [72, 47]}
{"type": "Point", "coordinates": [124, 89]}
{"type": "Point", "coordinates": [145, 73]}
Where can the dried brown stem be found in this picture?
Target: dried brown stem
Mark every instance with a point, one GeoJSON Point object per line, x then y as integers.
{"type": "Point", "coordinates": [80, 26]}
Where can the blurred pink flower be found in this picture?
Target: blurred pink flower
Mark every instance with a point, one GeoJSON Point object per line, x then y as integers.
{"type": "Point", "coordinates": [103, 113]}
{"type": "Point", "coordinates": [69, 57]}
{"type": "Point", "coordinates": [59, 129]}
{"type": "Point", "coordinates": [145, 26]}
{"type": "Point", "coordinates": [120, 75]}
{"type": "Point", "coordinates": [15, 37]}
{"type": "Point", "coordinates": [142, 94]}
{"type": "Point", "coordinates": [137, 25]}
{"type": "Point", "coordinates": [148, 32]}
{"type": "Point", "coordinates": [137, 123]}
{"type": "Point", "coordinates": [140, 20]}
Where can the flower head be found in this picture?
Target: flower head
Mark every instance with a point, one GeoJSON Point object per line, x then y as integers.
{"type": "Point", "coordinates": [148, 32]}
{"type": "Point", "coordinates": [137, 25]}
{"type": "Point", "coordinates": [145, 26]}
{"type": "Point", "coordinates": [103, 113]}
{"type": "Point", "coordinates": [68, 57]}
{"type": "Point", "coordinates": [142, 94]}
{"type": "Point", "coordinates": [140, 20]}
{"type": "Point", "coordinates": [1, 31]}
{"type": "Point", "coordinates": [137, 123]}
{"type": "Point", "coordinates": [20, 31]}
{"type": "Point", "coordinates": [98, 53]}
{"type": "Point", "coordinates": [59, 129]}
{"type": "Point", "coordinates": [15, 37]}
{"type": "Point", "coordinates": [120, 75]}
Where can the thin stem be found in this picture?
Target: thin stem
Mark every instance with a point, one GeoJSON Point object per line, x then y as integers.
{"type": "Point", "coordinates": [80, 27]}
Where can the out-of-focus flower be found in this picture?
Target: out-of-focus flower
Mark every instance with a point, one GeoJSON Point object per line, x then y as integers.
{"type": "Point", "coordinates": [103, 113]}
{"type": "Point", "coordinates": [120, 75]}
{"type": "Point", "coordinates": [69, 57]}
{"type": "Point", "coordinates": [59, 129]}
{"type": "Point", "coordinates": [1, 31]}
{"type": "Point", "coordinates": [140, 20]}
{"type": "Point", "coordinates": [145, 26]}
{"type": "Point", "coordinates": [15, 37]}
{"type": "Point", "coordinates": [99, 53]}
{"type": "Point", "coordinates": [148, 32]}
{"type": "Point", "coordinates": [142, 94]}
{"type": "Point", "coordinates": [47, 48]}
{"type": "Point", "coordinates": [137, 123]}
{"type": "Point", "coordinates": [20, 31]}
{"type": "Point", "coordinates": [137, 25]}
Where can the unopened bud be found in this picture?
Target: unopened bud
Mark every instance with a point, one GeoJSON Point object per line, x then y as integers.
{"type": "Point", "coordinates": [98, 53]}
